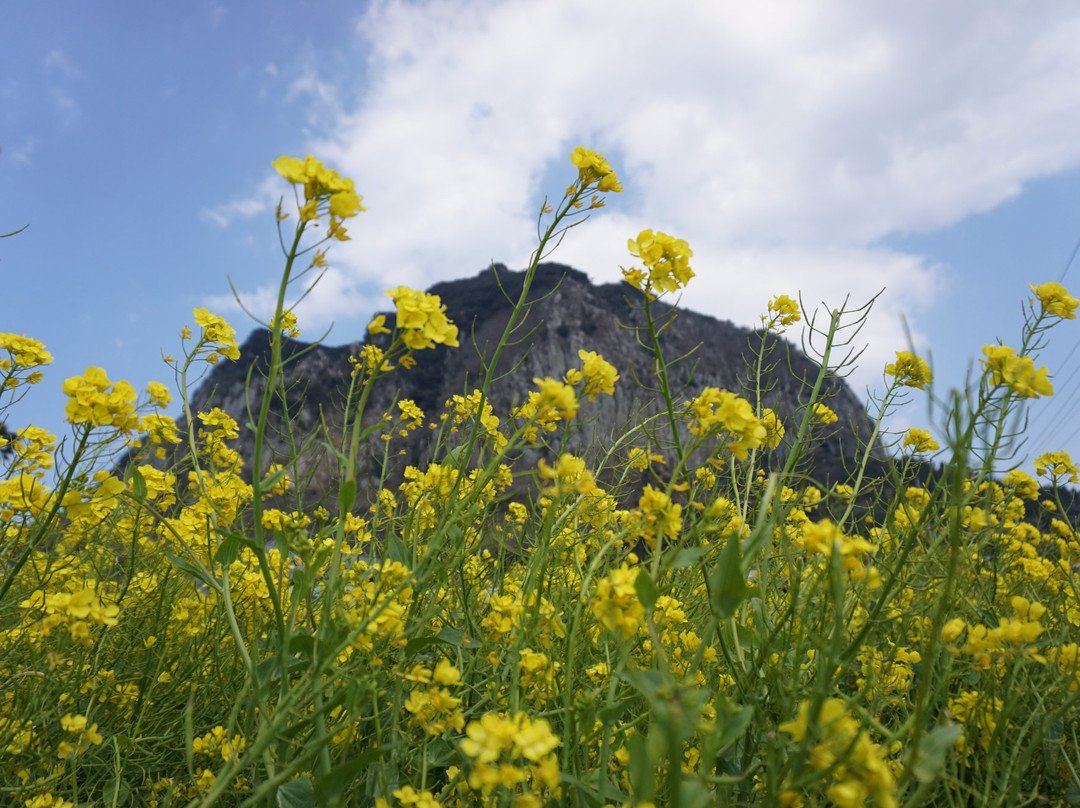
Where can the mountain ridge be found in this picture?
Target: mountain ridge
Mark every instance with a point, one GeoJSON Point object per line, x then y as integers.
{"type": "Point", "coordinates": [566, 313]}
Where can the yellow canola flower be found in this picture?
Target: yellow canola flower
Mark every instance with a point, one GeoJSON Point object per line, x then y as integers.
{"type": "Point", "coordinates": [520, 736]}
{"type": "Point", "coordinates": [858, 767]}
{"type": "Point", "coordinates": [23, 351]}
{"type": "Point", "coordinates": [920, 440]}
{"type": "Point", "coordinates": [422, 318]}
{"type": "Point", "coordinates": [774, 428]}
{"type": "Point", "coordinates": [287, 325]}
{"type": "Point", "coordinates": [555, 400]}
{"type": "Point", "coordinates": [592, 167]}
{"type": "Point", "coordinates": [661, 517]}
{"type": "Point", "coordinates": [93, 399]}
{"type": "Point", "coordinates": [783, 311]}
{"type": "Point", "coordinates": [599, 374]}
{"type": "Point", "coordinates": [378, 325]}
{"type": "Point", "coordinates": [824, 414]}
{"type": "Point", "coordinates": [715, 409]}
{"type": "Point", "coordinates": [570, 476]}
{"type": "Point", "coordinates": [666, 258]}
{"type": "Point", "coordinates": [615, 603]}
{"type": "Point", "coordinates": [1018, 373]}
{"type": "Point", "coordinates": [218, 334]}
{"type": "Point", "coordinates": [1057, 464]}
{"type": "Point", "coordinates": [322, 183]}
{"type": "Point", "coordinates": [1056, 300]}
{"type": "Point", "coordinates": [409, 797]}
{"type": "Point", "coordinates": [159, 394]}
{"type": "Point", "coordinates": [910, 370]}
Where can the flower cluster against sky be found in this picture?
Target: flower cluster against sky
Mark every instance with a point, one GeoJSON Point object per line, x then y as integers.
{"type": "Point", "coordinates": [813, 146]}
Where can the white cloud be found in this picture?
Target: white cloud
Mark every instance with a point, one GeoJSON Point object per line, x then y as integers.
{"type": "Point", "coordinates": [263, 199]}
{"type": "Point", "coordinates": [334, 297]}
{"type": "Point", "coordinates": [21, 154]}
{"type": "Point", "coordinates": [217, 14]}
{"type": "Point", "coordinates": [784, 143]}
{"type": "Point", "coordinates": [62, 70]}
{"type": "Point", "coordinates": [57, 61]}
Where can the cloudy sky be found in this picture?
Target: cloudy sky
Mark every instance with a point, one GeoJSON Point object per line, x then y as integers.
{"type": "Point", "coordinates": [923, 150]}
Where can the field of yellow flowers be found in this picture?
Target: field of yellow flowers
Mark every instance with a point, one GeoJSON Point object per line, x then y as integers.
{"type": "Point", "coordinates": [727, 633]}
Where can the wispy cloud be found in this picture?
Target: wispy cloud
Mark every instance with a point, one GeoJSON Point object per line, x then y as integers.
{"type": "Point", "coordinates": [62, 72]}
{"type": "Point", "coordinates": [60, 63]}
{"type": "Point", "coordinates": [20, 154]}
{"type": "Point", "coordinates": [217, 14]}
{"type": "Point", "coordinates": [263, 199]}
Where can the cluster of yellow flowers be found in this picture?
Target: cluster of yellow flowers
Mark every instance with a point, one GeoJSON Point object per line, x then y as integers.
{"type": "Point", "coordinates": [783, 311]}
{"type": "Point", "coordinates": [823, 414]}
{"type": "Point", "coordinates": [94, 400]}
{"type": "Point", "coordinates": [1017, 373]}
{"type": "Point", "coordinates": [496, 745]}
{"type": "Point", "coordinates": [219, 743]}
{"type": "Point", "coordinates": [78, 611]}
{"type": "Point", "coordinates": [920, 441]}
{"type": "Point", "coordinates": [422, 319]}
{"type": "Point", "coordinates": [432, 706]}
{"type": "Point", "coordinates": [598, 374]}
{"type": "Point", "coordinates": [1055, 300]}
{"type": "Point", "coordinates": [615, 602]}
{"type": "Point", "coordinates": [910, 370]}
{"type": "Point", "coordinates": [715, 410]}
{"type": "Point", "coordinates": [1057, 466]}
{"type": "Point", "coordinates": [218, 339]}
{"type": "Point", "coordinates": [857, 766]}
{"type": "Point", "coordinates": [23, 353]}
{"type": "Point", "coordinates": [593, 168]}
{"type": "Point", "coordinates": [322, 186]}
{"type": "Point", "coordinates": [657, 517]}
{"type": "Point", "coordinates": [665, 257]}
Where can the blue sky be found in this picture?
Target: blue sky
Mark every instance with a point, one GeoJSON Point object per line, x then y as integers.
{"type": "Point", "coordinates": [829, 148]}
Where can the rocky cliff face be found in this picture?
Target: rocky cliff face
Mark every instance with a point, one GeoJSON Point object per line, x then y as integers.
{"type": "Point", "coordinates": [569, 314]}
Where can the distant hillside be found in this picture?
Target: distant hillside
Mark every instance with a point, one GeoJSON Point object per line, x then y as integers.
{"type": "Point", "coordinates": [569, 314]}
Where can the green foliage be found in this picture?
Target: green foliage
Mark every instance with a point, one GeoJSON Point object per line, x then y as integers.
{"type": "Point", "coordinates": [500, 634]}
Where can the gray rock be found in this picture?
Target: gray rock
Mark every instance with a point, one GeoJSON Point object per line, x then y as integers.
{"type": "Point", "coordinates": [568, 314]}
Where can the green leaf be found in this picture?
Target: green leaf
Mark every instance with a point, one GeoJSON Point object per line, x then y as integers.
{"type": "Point", "coordinates": [457, 639]}
{"type": "Point", "coordinates": [227, 551]}
{"type": "Point", "coordinates": [296, 793]}
{"type": "Point", "coordinates": [268, 482]}
{"type": "Point", "coordinates": [347, 495]}
{"type": "Point", "coordinates": [340, 456]}
{"type": "Point", "coordinates": [736, 720]}
{"type": "Point", "coordinates": [339, 778]}
{"type": "Point", "coordinates": [686, 557]}
{"type": "Point", "coordinates": [641, 768]}
{"type": "Point", "coordinates": [647, 683]}
{"type": "Point", "coordinates": [300, 642]}
{"type": "Point", "coordinates": [269, 670]}
{"type": "Point", "coordinates": [418, 644]}
{"type": "Point", "coordinates": [588, 788]}
{"type": "Point", "coordinates": [138, 485]}
{"type": "Point", "coordinates": [453, 457]}
{"type": "Point", "coordinates": [115, 792]}
{"type": "Point", "coordinates": [610, 714]}
{"type": "Point", "coordinates": [929, 763]}
{"type": "Point", "coordinates": [727, 587]}
{"type": "Point", "coordinates": [646, 590]}
{"type": "Point", "coordinates": [195, 572]}
{"type": "Point", "coordinates": [396, 550]}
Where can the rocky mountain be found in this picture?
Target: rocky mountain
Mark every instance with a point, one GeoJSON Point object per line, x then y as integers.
{"type": "Point", "coordinates": [568, 314]}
